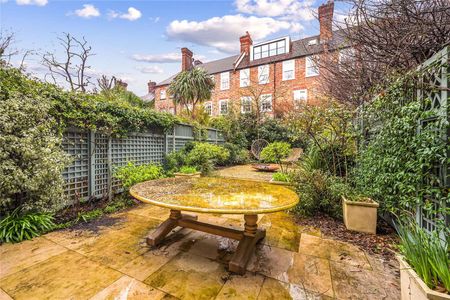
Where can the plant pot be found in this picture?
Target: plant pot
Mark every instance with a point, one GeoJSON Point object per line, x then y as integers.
{"type": "Point", "coordinates": [360, 216]}
{"type": "Point", "coordinates": [280, 182]}
{"type": "Point", "coordinates": [412, 287]}
{"type": "Point", "coordinates": [192, 175]}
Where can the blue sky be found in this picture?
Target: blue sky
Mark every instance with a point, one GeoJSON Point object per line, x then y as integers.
{"type": "Point", "coordinates": [141, 40]}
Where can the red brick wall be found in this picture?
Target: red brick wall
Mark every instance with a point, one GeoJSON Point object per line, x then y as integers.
{"type": "Point", "coordinates": [282, 91]}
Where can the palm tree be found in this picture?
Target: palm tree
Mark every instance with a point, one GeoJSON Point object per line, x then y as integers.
{"type": "Point", "coordinates": [191, 87]}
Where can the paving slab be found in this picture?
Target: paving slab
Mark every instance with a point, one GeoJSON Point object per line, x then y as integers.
{"type": "Point", "coordinates": [189, 276]}
{"type": "Point", "coordinates": [129, 288]}
{"type": "Point", "coordinates": [69, 275]}
{"type": "Point", "coordinates": [276, 290]}
{"type": "Point", "coordinates": [246, 286]}
{"type": "Point", "coordinates": [16, 257]}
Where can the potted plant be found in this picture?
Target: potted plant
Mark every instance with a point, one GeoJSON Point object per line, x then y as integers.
{"type": "Point", "coordinates": [424, 264]}
{"type": "Point", "coordinates": [281, 178]}
{"type": "Point", "coordinates": [187, 171]}
{"type": "Point", "coordinates": [360, 213]}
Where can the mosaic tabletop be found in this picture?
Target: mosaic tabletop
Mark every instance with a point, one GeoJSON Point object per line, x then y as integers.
{"type": "Point", "coordinates": [215, 195]}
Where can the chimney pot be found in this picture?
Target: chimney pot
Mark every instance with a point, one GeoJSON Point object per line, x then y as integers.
{"type": "Point", "coordinates": [246, 42]}
{"type": "Point", "coordinates": [186, 59]}
{"type": "Point", "coordinates": [326, 20]}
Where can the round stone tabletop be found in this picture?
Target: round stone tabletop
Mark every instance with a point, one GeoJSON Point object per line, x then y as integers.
{"type": "Point", "coordinates": [215, 195]}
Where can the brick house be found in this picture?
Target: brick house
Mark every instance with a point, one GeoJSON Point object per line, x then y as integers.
{"type": "Point", "coordinates": [274, 75]}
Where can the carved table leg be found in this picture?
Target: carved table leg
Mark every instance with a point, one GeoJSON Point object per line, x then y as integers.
{"type": "Point", "coordinates": [155, 237]}
{"type": "Point", "coordinates": [246, 247]}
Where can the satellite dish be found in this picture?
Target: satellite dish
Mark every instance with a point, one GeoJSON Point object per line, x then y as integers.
{"type": "Point", "coordinates": [257, 147]}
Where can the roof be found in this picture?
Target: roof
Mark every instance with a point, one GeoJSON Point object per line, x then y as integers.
{"type": "Point", "coordinates": [299, 48]}
{"type": "Point", "coordinates": [148, 97]}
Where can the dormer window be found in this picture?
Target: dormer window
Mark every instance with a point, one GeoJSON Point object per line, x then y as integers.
{"type": "Point", "coordinates": [271, 48]}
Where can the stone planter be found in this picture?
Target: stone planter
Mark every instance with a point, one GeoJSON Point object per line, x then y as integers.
{"type": "Point", "coordinates": [360, 215]}
{"type": "Point", "coordinates": [192, 175]}
{"type": "Point", "coordinates": [412, 287]}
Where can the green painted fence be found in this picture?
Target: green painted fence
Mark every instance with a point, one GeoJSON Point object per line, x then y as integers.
{"type": "Point", "coordinates": [95, 155]}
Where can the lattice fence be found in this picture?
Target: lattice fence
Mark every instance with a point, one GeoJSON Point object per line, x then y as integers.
{"type": "Point", "coordinates": [95, 156]}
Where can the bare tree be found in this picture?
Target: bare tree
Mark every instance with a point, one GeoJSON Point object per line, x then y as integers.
{"type": "Point", "coordinates": [6, 40]}
{"type": "Point", "coordinates": [106, 83]}
{"type": "Point", "coordinates": [72, 68]}
{"type": "Point", "coordinates": [388, 36]}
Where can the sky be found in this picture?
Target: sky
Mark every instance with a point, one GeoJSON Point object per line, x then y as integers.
{"type": "Point", "coordinates": [138, 41]}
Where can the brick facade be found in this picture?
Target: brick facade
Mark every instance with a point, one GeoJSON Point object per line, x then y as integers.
{"type": "Point", "coordinates": [282, 91]}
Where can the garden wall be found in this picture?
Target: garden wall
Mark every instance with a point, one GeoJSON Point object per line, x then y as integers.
{"type": "Point", "coordinates": [95, 155]}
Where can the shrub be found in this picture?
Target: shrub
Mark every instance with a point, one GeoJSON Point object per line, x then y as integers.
{"type": "Point", "coordinates": [237, 156]}
{"type": "Point", "coordinates": [188, 170]}
{"type": "Point", "coordinates": [204, 156]}
{"type": "Point", "coordinates": [426, 254]}
{"type": "Point", "coordinates": [174, 161]}
{"type": "Point", "coordinates": [17, 226]}
{"type": "Point", "coordinates": [31, 159]}
{"type": "Point", "coordinates": [283, 177]}
{"type": "Point", "coordinates": [132, 174]}
{"type": "Point", "coordinates": [275, 152]}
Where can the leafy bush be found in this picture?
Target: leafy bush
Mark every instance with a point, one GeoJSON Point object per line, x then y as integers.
{"type": "Point", "coordinates": [204, 156]}
{"type": "Point", "coordinates": [280, 176]}
{"type": "Point", "coordinates": [17, 226]}
{"type": "Point", "coordinates": [132, 174]}
{"type": "Point", "coordinates": [396, 165]}
{"type": "Point", "coordinates": [174, 161]}
{"type": "Point", "coordinates": [426, 254]}
{"type": "Point", "coordinates": [31, 159]}
{"type": "Point", "coordinates": [275, 152]}
{"type": "Point", "coordinates": [188, 170]}
{"type": "Point", "coordinates": [319, 191]}
{"type": "Point", "coordinates": [237, 156]}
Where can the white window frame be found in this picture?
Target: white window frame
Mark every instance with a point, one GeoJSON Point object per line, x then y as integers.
{"type": "Point", "coordinates": [225, 81]}
{"type": "Point", "coordinates": [162, 95]}
{"type": "Point", "coordinates": [246, 99]}
{"type": "Point", "coordinates": [311, 67]}
{"type": "Point", "coordinates": [289, 69]}
{"type": "Point", "coordinates": [210, 105]}
{"type": "Point", "coordinates": [220, 106]}
{"type": "Point", "coordinates": [300, 97]}
{"type": "Point", "coordinates": [244, 77]}
{"type": "Point", "coordinates": [263, 74]}
{"type": "Point", "coordinates": [172, 110]}
{"type": "Point", "coordinates": [262, 100]}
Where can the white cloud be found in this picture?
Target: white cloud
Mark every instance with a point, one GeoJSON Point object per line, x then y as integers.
{"type": "Point", "coordinates": [150, 70]}
{"type": "Point", "coordinates": [223, 33]}
{"type": "Point", "coordinates": [132, 15]}
{"type": "Point", "coordinates": [284, 9]}
{"type": "Point", "coordinates": [88, 11]}
{"type": "Point", "coordinates": [32, 2]}
{"type": "Point", "coordinates": [158, 58]}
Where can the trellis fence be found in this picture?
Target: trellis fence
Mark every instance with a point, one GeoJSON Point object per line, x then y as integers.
{"type": "Point", "coordinates": [433, 84]}
{"type": "Point", "coordinates": [96, 155]}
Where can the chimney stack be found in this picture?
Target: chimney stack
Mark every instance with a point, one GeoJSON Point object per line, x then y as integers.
{"type": "Point", "coordinates": [151, 87]}
{"type": "Point", "coordinates": [326, 20]}
{"type": "Point", "coordinates": [186, 59]}
{"type": "Point", "coordinates": [246, 42]}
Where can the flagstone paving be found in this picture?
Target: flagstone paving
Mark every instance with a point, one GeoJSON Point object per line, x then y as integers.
{"type": "Point", "coordinates": [109, 259]}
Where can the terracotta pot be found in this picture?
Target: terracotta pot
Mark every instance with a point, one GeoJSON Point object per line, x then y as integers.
{"type": "Point", "coordinates": [266, 167]}
{"type": "Point", "coordinates": [412, 287]}
{"type": "Point", "coordinates": [360, 216]}
{"type": "Point", "coordinates": [192, 175]}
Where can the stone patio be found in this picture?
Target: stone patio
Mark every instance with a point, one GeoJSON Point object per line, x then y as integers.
{"type": "Point", "coordinates": [109, 259]}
